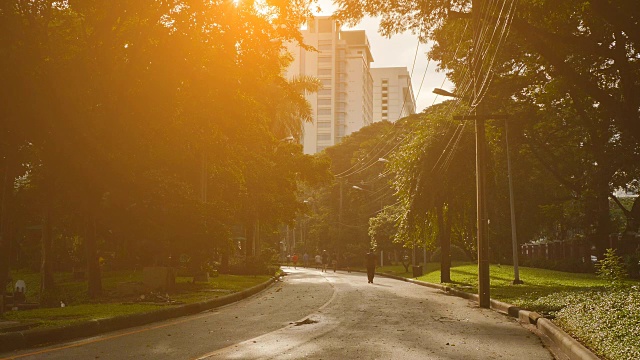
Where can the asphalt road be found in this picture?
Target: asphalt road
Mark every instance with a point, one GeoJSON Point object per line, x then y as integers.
{"type": "Point", "coordinates": [316, 315]}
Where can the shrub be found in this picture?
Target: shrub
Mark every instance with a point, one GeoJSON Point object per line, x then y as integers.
{"type": "Point", "coordinates": [457, 254]}
{"type": "Point", "coordinates": [611, 268]}
{"type": "Point", "coordinates": [255, 265]}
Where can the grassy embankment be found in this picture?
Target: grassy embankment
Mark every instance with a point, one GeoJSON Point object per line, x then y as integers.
{"type": "Point", "coordinates": [604, 318]}
{"type": "Point", "coordinates": [78, 307]}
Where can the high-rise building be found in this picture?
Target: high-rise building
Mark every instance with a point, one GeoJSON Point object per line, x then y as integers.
{"type": "Point", "coordinates": [392, 94]}
{"type": "Point", "coordinates": [342, 63]}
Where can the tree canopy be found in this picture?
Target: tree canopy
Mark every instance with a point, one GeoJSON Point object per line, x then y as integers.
{"type": "Point", "coordinates": [147, 130]}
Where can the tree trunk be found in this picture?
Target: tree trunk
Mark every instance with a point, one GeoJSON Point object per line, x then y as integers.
{"type": "Point", "coordinates": [93, 261]}
{"type": "Point", "coordinates": [5, 247]}
{"type": "Point", "coordinates": [445, 245]}
{"type": "Point", "coordinates": [47, 284]}
{"type": "Point", "coordinates": [633, 218]}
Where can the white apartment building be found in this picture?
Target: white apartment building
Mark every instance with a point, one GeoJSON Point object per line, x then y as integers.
{"type": "Point", "coordinates": [392, 94]}
{"type": "Point", "coordinates": [342, 63]}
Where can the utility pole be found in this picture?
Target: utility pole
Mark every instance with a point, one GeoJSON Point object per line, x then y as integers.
{"type": "Point", "coordinates": [514, 238]}
{"type": "Point", "coordinates": [479, 118]}
{"type": "Point", "coordinates": [340, 214]}
{"type": "Point", "coordinates": [483, 245]}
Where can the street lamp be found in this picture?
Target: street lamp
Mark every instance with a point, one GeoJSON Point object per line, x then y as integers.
{"type": "Point", "coordinates": [444, 92]}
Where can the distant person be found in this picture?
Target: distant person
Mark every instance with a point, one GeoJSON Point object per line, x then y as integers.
{"type": "Point", "coordinates": [294, 259]}
{"type": "Point", "coordinates": [318, 261]}
{"type": "Point", "coordinates": [305, 260]}
{"type": "Point", "coordinates": [370, 260]}
{"type": "Point", "coordinates": [325, 260]}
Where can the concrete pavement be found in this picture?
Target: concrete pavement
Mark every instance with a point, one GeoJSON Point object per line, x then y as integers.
{"type": "Point", "coordinates": [27, 338]}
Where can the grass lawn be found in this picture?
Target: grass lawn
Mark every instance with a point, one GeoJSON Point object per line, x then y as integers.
{"type": "Point", "coordinates": [538, 283]}
{"type": "Point", "coordinates": [78, 307]}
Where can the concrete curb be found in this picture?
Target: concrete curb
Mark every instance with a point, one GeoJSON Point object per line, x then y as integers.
{"type": "Point", "coordinates": [27, 338]}
{"type": "Point", "coordinates": [567, 344]}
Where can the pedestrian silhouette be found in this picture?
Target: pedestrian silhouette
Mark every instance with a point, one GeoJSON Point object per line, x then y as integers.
{"type": "Point", "coordinates": [370, 259]}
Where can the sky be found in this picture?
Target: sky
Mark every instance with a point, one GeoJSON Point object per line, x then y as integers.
{"type": "Point", "coordinates": [400, 50]}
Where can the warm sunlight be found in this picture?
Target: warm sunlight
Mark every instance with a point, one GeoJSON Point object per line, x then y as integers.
{"type": "Point", "coordinates": [288, 159]}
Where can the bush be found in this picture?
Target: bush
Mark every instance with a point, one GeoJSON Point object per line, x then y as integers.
{"type": "Point", "coordinates": [574, 265]}
{"type": "Point", "coordinates": [457, 254]}
{"type": "Point", "coordinates": [255, 265]}
{"type": "Point", "coordinates": [611, 268]}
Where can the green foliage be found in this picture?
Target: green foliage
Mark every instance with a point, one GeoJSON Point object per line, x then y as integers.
{"type": "Point", "coordinates": [78, 309]}
{"type": "Point", "coordinates": [342, 210]}
{"type": "Point", "coordinates": [574, 265]}
{"type": "Point", "coordinates": [611, 268]}
{"type": "Point", "coordinates": [606, 321]}
{"type": "Point", "coordinates": [457, 254]}
{"type": "Point", "coordinates": [573, 131]}
{"type": "Point", "coordinates": [161, 133]}
{"type": "Point", "coordinates": [429, 174]}
{"type": "Point", "coordinates": [256, 265]}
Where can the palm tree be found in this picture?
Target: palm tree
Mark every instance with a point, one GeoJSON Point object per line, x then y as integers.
{"type": "Point", "coordinates": [290, 105]}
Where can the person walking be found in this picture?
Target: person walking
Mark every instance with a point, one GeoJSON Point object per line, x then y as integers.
{"type": "Point", "coordinates": [295, 260]}
{"type": "Point", "coordinates": [325, 260]}
{"type": "Point", "coordinates": [370, 260]}
{"type": "Point", "coordinates": [305, 260]}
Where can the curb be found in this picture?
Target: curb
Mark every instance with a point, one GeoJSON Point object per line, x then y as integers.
{"type": "Point", "coordinates": [28, 338]}
{"type": "Point", "coordinates": [573, 349]}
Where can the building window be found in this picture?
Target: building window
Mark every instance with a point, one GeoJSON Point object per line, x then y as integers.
{"type": "Point", "coordinates": [324, 59]}
{"type": "Point", "coordinates": [325, 82]}
{"type": "Point", "coordinates": [325, 102]}
{"type": "Point", "coordinates": [324, 72]}
{"type": "Point", "coordinates": [324, 92]}
{"type": "Point", "coordinates": [324, 137]}
{"type": "Point", "coordinates": [324, 111]}
{"type": "Point", "coordinates": [324, 124]}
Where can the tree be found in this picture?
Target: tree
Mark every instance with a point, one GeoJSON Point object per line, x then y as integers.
{"type": "Point", "coordinates": [571, 63]}
{"type": "Point", "coordinates": [112, 101]}
{"type": "Point", "coordinates": [433, 179]}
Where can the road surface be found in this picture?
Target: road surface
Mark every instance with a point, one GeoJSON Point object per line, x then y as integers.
{"type": "Point", "coordinates": [316, 315]}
